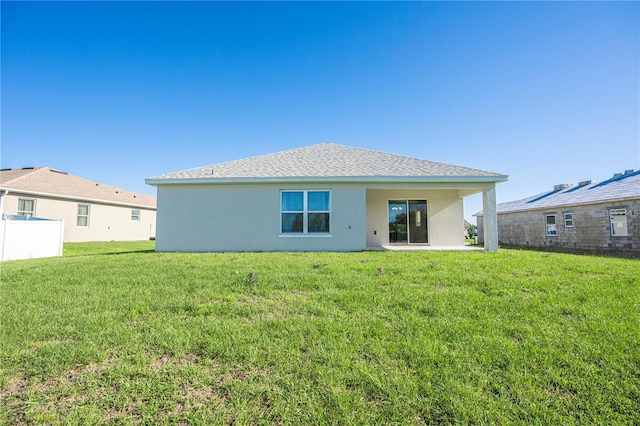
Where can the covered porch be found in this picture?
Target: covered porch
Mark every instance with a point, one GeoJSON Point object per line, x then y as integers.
{"type": "Point", "coordinates": [413, 247]}
{"type": "Point", "coordinates": [414, 216]}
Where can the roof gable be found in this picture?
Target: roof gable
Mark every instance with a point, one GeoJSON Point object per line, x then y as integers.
{"type": "Point", "coordinates": [325, 161]}
{"type": "Point", "coordinates": [46, 180]}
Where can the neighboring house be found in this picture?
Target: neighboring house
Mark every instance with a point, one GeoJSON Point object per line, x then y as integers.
{"type": "Point", "coordinates": [467, 227]}
{"type": "Point", "coordinates": [91, 211]}
{"type": "Point", "coordinates": [323, 197]}
{"type": "Point", "coordinates": [588, 216]}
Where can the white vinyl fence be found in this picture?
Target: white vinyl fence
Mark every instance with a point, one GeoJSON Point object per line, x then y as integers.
{"type": "Point", "coordinates": [30, 239]}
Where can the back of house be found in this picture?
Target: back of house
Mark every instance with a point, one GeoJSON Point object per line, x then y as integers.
{"type": "Point", "coordinates": [322, 197]}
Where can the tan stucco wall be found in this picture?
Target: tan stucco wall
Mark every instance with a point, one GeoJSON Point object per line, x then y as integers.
{"type": "Point", "coordinates": [445, 215]}
{"type": "Point", "coordinates": [246, 217]}
{"type": "Point", "coordinates": [106, 222]}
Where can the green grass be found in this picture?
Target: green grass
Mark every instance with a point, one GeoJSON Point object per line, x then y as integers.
{"type": "Point", "coordinates": [114, 333]}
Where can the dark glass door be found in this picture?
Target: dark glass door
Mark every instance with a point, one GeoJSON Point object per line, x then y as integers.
{"type": "Point", "coordinates": [418, 222]}
{"type": "Point", "coordinates": [408, 222]}
{"type": "Point", "coordinates": [398, 222]}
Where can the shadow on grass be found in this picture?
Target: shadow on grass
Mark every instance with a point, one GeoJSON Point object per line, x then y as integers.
{"type": "Point", "coordinates": [110, 253]}
{"type": "Point", "coordinates": [131, 251]}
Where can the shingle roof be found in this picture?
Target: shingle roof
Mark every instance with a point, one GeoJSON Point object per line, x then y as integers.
{"type": "Point", "coordinates": [50, 181]}
{"type": "Point", "coordinates": [623, 186]}
{"type": "Point", "coordinates": [324, 161]}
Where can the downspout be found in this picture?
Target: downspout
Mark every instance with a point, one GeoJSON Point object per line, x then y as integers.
{"type": "Point", "coordinates": [2, 194]}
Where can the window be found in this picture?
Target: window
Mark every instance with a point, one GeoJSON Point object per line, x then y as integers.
{"type": "Point", "coordinates": [618, 221]}
{"type": "Point", "coordinates": [305, 212]}
{"type": "Point", "coordinates": [26, 207]}
{"type": "Point", "coordinates": [568, 220]}
{"type": "Point", "coordinates": [551, 225]}
{"type": "Point", "coordinates": [135, 214]}
{"type": "Point", "coordinates": [83, 215]}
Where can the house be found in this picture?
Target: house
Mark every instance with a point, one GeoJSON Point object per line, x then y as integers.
{"type": "Point", "coordinates": [586, 216]}
{"type": "Point", "coordinates": [91, 211]}
{"type": "Point", "coordinates": [467, 229]}
{"type": "Point", "coordinates": [323, 197]}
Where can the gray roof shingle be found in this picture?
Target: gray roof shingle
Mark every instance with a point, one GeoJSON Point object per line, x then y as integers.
{"type": "Point", "coordinates": [326, 160]}
{"type": "Point", "coordinates": [621, 187]}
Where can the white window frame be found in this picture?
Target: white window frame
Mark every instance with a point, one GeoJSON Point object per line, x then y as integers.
{"type": "Point", "coordinates": [618, 213]}
{"type": "Point", "coordinates": [135, 215]}
{"type": "Point", "coordinates": [305, 214]}
{"type": "Point", "coordinates": [568, 219]}
{"type": "Point", "coordinates": [551, 228]}
{"type": "Point", "coordinates": [79, 216]}
{"type": "Point", "coordinates": [24, 212]}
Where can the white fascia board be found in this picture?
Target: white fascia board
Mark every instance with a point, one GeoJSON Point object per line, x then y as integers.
{"type": "Point", "coordinates": [73, 198]}
{"type": "Point", "coordinates": [340, 179]}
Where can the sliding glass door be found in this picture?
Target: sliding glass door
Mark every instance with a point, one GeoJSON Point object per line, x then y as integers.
{"type": "Point", "coordinates": [398, 231]}
{"type": "Point", "coordinates": [408, 222]}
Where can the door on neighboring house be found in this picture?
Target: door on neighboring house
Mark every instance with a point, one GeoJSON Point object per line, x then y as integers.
{"type": "Point", "coordinates": [618, 221]}
{"type": "Point", "coordinates": [408, 222]}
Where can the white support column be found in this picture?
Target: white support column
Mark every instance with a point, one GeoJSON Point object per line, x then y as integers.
{"type": "Point", "coordinates": [490, 218]}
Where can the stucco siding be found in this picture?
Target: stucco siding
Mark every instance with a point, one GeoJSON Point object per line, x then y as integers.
{"type": "Point", "coordinates": [106, 222]}
{"type": "Point", "coordinates": [445, 215]}
{"type": "Point", "coordinates": [247, 217]}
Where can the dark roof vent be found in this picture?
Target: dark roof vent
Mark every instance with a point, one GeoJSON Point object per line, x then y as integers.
{"type": "Point", "coordinates": [561, 186]}
{"type": "Point", "coordinates": [580, 185]}
{"type": "Point", "coordinates": [617, 177]}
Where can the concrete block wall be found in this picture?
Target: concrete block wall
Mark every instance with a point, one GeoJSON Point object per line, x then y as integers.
{"type": "Point", "coordinates": [591, 228]}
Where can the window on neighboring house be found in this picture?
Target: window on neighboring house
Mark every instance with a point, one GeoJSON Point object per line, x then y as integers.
{"type": "Point", "coordinates": [618, 221]}
{"type": "Point", "coordinates": [83, 215]}
{"type": "Point", "coordinates": [551, 225]}
{"type": "Point", "coordinates": [26, 207]}
{"type": "Point", "coordinates": [135, 214]}
{"type": "Point", "coordinates": [305, 212]}
{"type": "Point", "coordinates": [568, 220]}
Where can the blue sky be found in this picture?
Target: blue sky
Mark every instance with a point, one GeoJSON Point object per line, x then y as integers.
{"type": "Point", "coordinates": [546, 92]}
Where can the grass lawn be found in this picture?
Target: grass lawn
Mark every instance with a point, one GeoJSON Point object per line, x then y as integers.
{"type": "Point", "coordinates": [114, 333]}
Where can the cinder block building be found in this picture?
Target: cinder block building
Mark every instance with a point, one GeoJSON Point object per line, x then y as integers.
{"type": "Point", "coordinates": [588, 216]}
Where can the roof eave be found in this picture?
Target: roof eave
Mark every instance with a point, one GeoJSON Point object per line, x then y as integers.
{"type": "Point", "coordinates": [565, 205]}
{"type": "Point", "coordinates": [11, 191]}
{"type": "Point", "coordinates": [323, 179]}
